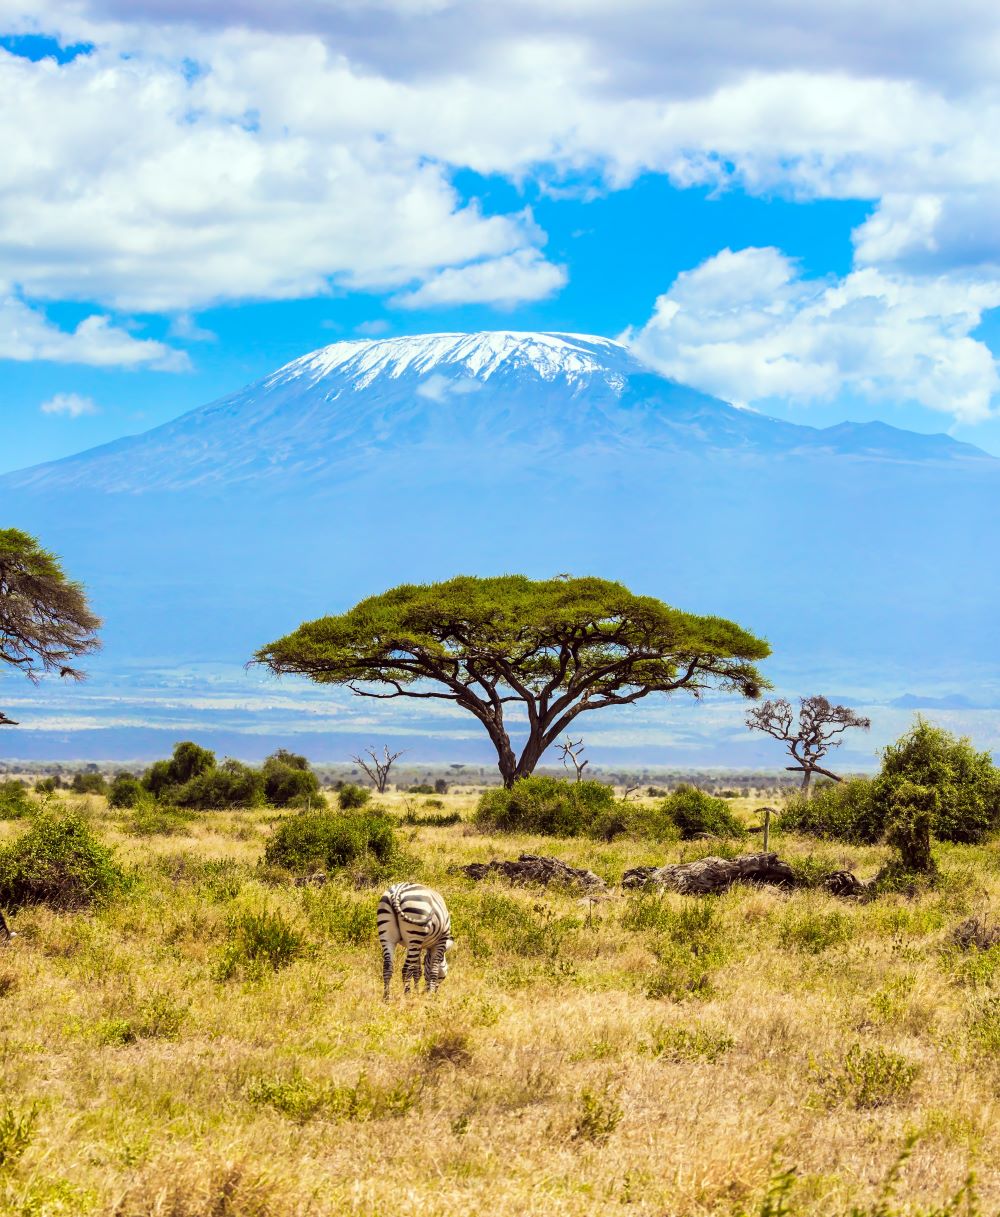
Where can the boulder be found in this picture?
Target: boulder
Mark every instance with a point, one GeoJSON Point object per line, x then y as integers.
{"type": "Point", "coordinates": [531, 868]}
{"type": "Point", "coordinates": [710, 875]}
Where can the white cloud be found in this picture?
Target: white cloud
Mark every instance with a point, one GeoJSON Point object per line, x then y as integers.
{"type": "Point", "coordinates": [745, 326]}
{"type": "Point", "coordinates": [26, 334]}
{"type": "Point", "coordinates": [70, 404]}
{"type": "Point", "coordinates": [185, 327]}
{"type": "Point", "coordinates": [520, 276]}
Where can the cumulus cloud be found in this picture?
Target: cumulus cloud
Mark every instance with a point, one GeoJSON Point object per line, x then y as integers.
{"type": "Point", "coordinates": [27, 334]}
{"type": "Point", "coordinates": [521, 276]}
{"type": "Point", "coordinates": [217, 150]}
{"type": "Point", "coordinates": [747, 327]}
{"type": "Point", "coordinates": [70, 404]}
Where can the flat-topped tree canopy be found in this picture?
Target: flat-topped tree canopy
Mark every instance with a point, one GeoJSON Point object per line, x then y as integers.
{"type": "Point", "coordinates": [556, 647]}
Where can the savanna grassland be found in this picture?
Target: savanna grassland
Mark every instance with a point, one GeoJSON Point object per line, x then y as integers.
{"type": "Point", "coordinates": [211, 1041]}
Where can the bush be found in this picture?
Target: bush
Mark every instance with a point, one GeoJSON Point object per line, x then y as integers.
{"type": "Point", "coordinates": [351, 797]}
{"type": "Point", "coordinates": [127, 792]}
{"type": "Point", "coordinates": [47, 785]}
{"type": "Point", "coordinates": [552, 807]}
{"type": "Point", "coordinates": [908, 829]}
{"type": "Point", "coordinates": [838, 811]}
{"type": "Point", "coordinates": [421, 788]}
{"type": "Point", "coordinates": [88, 783]}
{"type": "Point", "coordinates": [696, 813]}
{"type": "Point", "coordinates": [14, 801]}
{"type": "Point", "coordinates": [320, 841]}
{"type": "Point", "coordinates": [967, 782]}
{"type": "Point", "coordinates": [58, 862]}
{"type": "Point", "coordinates": [288, 779]}
{"type": "Point", "coordinates": [260, 940]}
{"type": "Point", "coordinates": [189, 761]}
{"type": "Point", "coordinates": [232, 784]}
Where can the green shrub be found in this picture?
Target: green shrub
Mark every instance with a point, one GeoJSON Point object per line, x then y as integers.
{"type": "Point", "coordinates": [837, 811]}
{"type": "Point", "coordinates": [151, 819]}
{"type": "Point", "coordinates": [352, 798]}
{"type": "Point", "coordinates": [598, 1115]}
{"type": "Point", "coordinates": [814, 931]}
{"type": "Point", "coordinates": [696, 813]}
{"type": "Point", "coordinates": [16, 1130]}
{"type": "Point", "coordinates": [421, 788]}
{"type": "Point", "coordinates": [88, 783]}
{"type": "Point", "coordinates": [688, 1043]}
{"type": "Point", "coordinates": [313, 841]}
{"type": "Point", "coordinates": [188, 761]}
{"type": "Point", "coordinates": [913, 810]}
{"type": "Point", "coordinates": [127, 792]}
{"type": "Point", "coordinates": [14, 801]}
{"type": "Point", "coordinates": [552, 807]}
{"type": "Point", "coordinates": [301, 1100]}
{"type": "Point", "coordinates": [47, 785]}
{"type": "Point", "coordinates": [259, 940]}
{"type": "Point", "coordinates": [288, 779]}
{"type": "Point", "coordinates": [58, 862]}
{"type": "Point", "coordinates": [231, 784]}
{"type": "Point", "coordinates": [967, 782]}
{"type": "Point", "coordinates": [871, 1077]}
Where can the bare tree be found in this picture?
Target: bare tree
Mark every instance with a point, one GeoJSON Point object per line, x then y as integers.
{"type": "Point", "coordinates": [809, 740]}
{"type": "Point", "coordinates": [571, 750]}
{"type": "Point", "coordinates": [378, 770]}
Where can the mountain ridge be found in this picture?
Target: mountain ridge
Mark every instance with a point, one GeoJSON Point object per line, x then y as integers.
{"type": "Point", "coordinates": [533, 394]}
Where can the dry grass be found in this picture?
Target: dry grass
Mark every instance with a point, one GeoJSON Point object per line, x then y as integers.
{"type": "Point", "coordinates": [783, 1031]}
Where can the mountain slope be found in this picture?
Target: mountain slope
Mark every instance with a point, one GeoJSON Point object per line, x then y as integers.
{"type": "Point", "coordinates": [447, 397]}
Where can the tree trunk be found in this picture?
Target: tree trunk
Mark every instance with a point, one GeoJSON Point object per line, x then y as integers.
{"type": "Point", "coordinates": [807, 783]}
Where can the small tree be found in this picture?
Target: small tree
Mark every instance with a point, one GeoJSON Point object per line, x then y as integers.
{"type": "Point", "coordinates": [556, 648]}
{"type": "Point", "coordinates": [378, 769]}
{"type": "Point", "coordinates": [571, 750]}
{"type": "Point", "coordinates": [45, 621]}
{"type": "Point", "coordinates": [808, 741]}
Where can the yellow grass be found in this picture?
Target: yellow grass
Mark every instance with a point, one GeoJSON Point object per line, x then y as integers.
{"type": "Point", "coordinates": [542, 1079]}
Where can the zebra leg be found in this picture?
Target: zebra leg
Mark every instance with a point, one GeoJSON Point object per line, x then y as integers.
{"type": "Point", "coordinates": [411, 968]}
{"type": "Point", "coordinates": [386, 969]}
{"type": "Point", "coordinates": [430, 972]}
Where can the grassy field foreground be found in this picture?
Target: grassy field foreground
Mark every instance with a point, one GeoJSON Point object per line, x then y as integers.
{"type": "Point", "coordinates": [213, 1043]}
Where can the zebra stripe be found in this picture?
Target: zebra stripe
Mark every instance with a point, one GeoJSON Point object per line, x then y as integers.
{"type": "Point", "coordinates": [418, 917]}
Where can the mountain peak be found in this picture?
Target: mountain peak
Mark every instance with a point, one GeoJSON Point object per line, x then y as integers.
{"type": "Point", "coordinates": [551, 356]}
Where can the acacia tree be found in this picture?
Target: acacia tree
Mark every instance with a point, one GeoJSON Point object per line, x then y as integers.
{"type": "Point", "coordinates": [808, 741]}
{"type": "Point", "coordinates": [45, 621]}
{"type": "Point", "coordinates": [553, 649]}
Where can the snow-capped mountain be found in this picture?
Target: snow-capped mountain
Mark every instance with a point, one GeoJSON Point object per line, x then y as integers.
{"type": "Point", "coordinates": [863, 552]}
{"type": "Point", "coordinates": [452, 397]}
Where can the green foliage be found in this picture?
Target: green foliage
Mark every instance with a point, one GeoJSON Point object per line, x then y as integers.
{"type": "Point", "coordinates": [288, 780]}
{"type": "Point", "coordinates": [545, 641]}
{"type": "Point", "coordinates": [259, 940]}
{"type": "Point", "coordinates": [696, 813]}
{"type": "Point", "coordinates": [152, 819]}
{"type": "Point", "coordinates": [14, 801]}
{"type": "Point", "coordinates": [870, 1077]}
{"type": "Point", "coordinates": [814, 931]}
{"type": "Point", "coordinates": [189, 761]}
{"type": "Point", "coordinates": [351, 797]}
{"type": "Point", "coordinates": [435, 820]}
{"type": "Point", "coordinates": [687, 939]}
{"type": "Point", "coordinates": [47, 785]}
{"type": "Point", "coordinates": [421, 788]}
{"type": "Point", "coordinates": [127, 792]}
{"type": "Point", "coordinates": [88, 783]}
{"type": "Point", "coordinates": [58, 862]}
{"type": "Point", "coordinates": [688, 1043]}
{"type": "Point", "coordinates": [967, 782]}
{"type": "Point", "coordinates": [16, 1129]}
{"type": "Point", "coordinates": [301, 1100]}
{"type": "Point", "coordinates": [913, 809]}
{"type": "Point", "coordinates": [551, 806]}
{"type": "Point", "coordinates": [156, 1018]}
{"type": "Point", "coordinates": [322, 841]}
{"type": "Point", "coordinates": [598, 1114]}
{"type": "Point", "coordinates": [231, 784]}
{"type": "Point", "coordinates": [837, 811]}
{"type": "Point", "coordinates": [339, 916]}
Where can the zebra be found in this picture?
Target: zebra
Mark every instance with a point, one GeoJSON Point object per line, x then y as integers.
{"type": "Point", "coordinates": [417, 916]}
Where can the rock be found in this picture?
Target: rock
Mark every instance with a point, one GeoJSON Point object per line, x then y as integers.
{"type": "Point", "coordinates": [975, 932]}
{"type": "Point", "coordinates": [531, 868]}
{"type": "Point", "coordinates": [846, 884]}
{"type": "Point", "coordinates": [712, 874]}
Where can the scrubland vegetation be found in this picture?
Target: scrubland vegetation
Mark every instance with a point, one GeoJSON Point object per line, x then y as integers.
{"type": "Point", "coordinates": [187, 1032]}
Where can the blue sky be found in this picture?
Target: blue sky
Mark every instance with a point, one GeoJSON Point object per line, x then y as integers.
{"type": "Point", "coordinates": [763, 204]}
